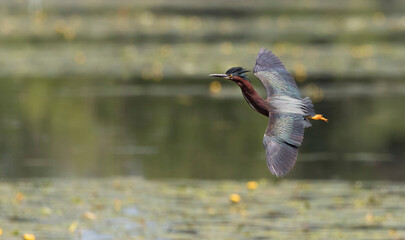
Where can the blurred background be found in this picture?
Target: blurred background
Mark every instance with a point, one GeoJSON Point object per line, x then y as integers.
{"type": "Point", "coordinates": [110, 127]}
{"type": "Point", "coordinates": [114, 88]}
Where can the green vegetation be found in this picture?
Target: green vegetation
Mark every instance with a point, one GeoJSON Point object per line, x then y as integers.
{"type": "Point", "coordinates": [131, 208]}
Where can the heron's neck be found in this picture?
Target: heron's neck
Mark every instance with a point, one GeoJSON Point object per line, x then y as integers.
{"type": "Point", "coordinates": [253, 98]}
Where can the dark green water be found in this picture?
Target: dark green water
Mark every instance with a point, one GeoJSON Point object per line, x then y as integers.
{"type": "Point", "coordinates": [76, 128]}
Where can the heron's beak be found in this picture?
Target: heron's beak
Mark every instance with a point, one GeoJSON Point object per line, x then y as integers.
{"type": "Point", "coordinates": [219, 75]}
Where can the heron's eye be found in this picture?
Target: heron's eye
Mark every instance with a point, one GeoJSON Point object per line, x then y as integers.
{"type": "Point", "coordinates": [231, 76]}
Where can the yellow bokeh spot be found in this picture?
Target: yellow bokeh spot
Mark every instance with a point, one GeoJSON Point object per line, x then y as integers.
{"type": "Point", "coordinates": [89, 216]}
{"type": "Point", "coordinates": [234, 198]}
{"type": "Point", "coordinates": [300, 72]}
{"type": "Point", "coordinates": [46, 211]}
{"type": "Point", "coordinates": [1, 231]}
{"type": "Point", "coordinates": [117, 205]}
{"type": "Point", "coordinates": [19, 197]}
{"type": "Point", "coordinates": [64, 29]}
{"type": "Point", "coordinates": [155, 72]}
{"type": "Point", "coordinates": [39, 17]}
{"type": "Point", "coordinates": [28, 236]}
{"type": "Point", "coordinates": [393, 233]}
{"type": "Point", "coordinates": [80, 58]}
{"type": "Point", "coordinates": [252, 185]}
{"type": "Point", "coordinates": [215, 87]}
{"type": "Point", "coordinates": [73, 227]}
{"type": "Point", "coordinates": [370, 219]}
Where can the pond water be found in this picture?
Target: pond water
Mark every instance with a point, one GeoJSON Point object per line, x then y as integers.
{"type": "Point", "coordinates": [65, 128]}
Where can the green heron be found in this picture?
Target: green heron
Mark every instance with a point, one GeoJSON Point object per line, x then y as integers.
{"type": "Point", "coordinates": [287, 111]}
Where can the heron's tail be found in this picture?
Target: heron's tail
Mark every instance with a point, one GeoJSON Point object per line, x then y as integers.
{"type": "Point", "coordinates": [309, 109]}
{"type": "Point", "coordinates": [311, 113]}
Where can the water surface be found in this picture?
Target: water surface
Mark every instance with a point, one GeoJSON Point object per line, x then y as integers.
{"type": "Point", "coordinates": [74, 128]}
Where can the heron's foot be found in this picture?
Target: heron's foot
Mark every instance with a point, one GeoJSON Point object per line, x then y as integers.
{"type": "Point", "coordinates": [319, 117]}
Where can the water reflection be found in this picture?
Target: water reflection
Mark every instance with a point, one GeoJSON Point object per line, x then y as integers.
{"type": "Point", "coordinates": [65, 128]}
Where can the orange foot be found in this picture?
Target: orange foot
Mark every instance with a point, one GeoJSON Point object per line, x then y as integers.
{"type": "Point", "coordinates": [319, 117]}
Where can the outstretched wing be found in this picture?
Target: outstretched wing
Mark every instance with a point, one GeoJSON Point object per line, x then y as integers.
{"type": "Point", "coordinates": [274, 76]}
{"type": "Point", "coordinates": [283, 136]}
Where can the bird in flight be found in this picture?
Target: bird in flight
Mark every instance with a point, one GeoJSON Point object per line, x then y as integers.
{"type": "Point", "coordinates": [288, 112]}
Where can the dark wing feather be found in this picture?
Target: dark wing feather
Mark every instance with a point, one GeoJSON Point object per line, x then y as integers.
{"type": "Point", "coordinates": [283, 136]}
{"type": "Point", "coordinates": [274, 76]}
{"type": "Point", "coordinates": [280, 157]}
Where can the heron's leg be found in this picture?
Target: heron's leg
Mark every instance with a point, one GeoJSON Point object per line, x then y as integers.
{"type": "Point", "coordinates": [318, 117]}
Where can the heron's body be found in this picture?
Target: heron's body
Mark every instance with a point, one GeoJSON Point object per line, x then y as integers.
{"type": "Point", "coordinates": [287, 111]}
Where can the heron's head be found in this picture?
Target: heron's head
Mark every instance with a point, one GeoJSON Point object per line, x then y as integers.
{"type": "Point", "coordinates": [234, 73]}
